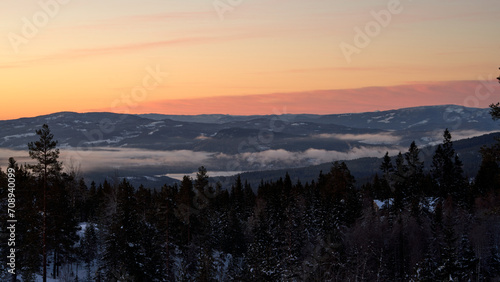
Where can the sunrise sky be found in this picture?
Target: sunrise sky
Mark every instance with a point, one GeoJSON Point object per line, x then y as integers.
{"type": "Point", "coordinates": [246, 56]}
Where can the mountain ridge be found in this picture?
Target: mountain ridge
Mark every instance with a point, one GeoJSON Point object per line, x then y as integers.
{"type": "Point", "coordinates": [124, 142]}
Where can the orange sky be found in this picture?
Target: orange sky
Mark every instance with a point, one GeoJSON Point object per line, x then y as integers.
{"type": "Point", "coordinates": [255, 57]}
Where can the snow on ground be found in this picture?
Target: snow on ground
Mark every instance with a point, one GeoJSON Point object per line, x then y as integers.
{"type": "Point", "coordinates": [430, 203]}
{"type": "Point", "coordinates": [82, 228]}
{"type": "Point", "coordinates": [6, 138]}
{"type": "Point", "coordinates": [419, 123]}
{"type": "Point", "coordinates": [386, 120]}
{"type": "Point", "coordinates": [154, 123]}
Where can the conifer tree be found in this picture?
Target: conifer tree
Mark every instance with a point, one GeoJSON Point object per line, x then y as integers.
{"type": "Point", "coordinates": [48, 167]}
{"type": "Point", "coordinates": [236, 196]}
{"type": "Point", "coordinates": [201, 200]}
{"type": "Point", "coordinates": [467, 262]}
{"type": "Point", "coordinates": [415, 179]}
{"type": "Point", "coordinates": [426, 270]}
{"type": "Point", "coordinates": [448, 173]}
{"type": "Point", "coordinates": [495, 108]}
{"type": "Point", "coordinates": [398, 184]}
{"type": "Point", "coordinates": [493, 262]}
{"type": "Point", "coordinates": [488, 176]}
{"type": "Point", "coordinates": [28, 235]}
{"type": "Point", "coordinates": [124, 256]}
{"type": "Point", "coordinates": [167, 224]}
{"type": "Point", "coordinates": [384, 190]}
{"type": "Point", "coordinates": [61, 222]}
{"type": "Point", "coordinates": [448, 267]}
{"type": "Point", "coordinates": [185, 207]}
{"type": "Point", "coordinates": [249, 200]}
{"type": "Point", "coordinates": [89, 246]}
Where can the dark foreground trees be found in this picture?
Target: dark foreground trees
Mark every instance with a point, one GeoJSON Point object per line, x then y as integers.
{"type": "Point", "coordinates": [47, 170]}
{"type": "Point", "coordinates": [47, 225]}
{"type": "Point", "coordinates": [407, 224]}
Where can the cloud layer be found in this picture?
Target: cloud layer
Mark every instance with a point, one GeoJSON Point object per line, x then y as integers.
{"type": "Point", "coordinates": [106, 159]}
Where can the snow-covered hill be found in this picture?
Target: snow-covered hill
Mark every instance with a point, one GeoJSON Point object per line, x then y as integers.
{"type": "Point", "coordinates": [169, 144]}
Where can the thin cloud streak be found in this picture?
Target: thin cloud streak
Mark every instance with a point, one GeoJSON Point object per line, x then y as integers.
{"type": "Point", "coordinates": [113, 50]}
{"type": "Point", "coordinates": [333, 101]}
{"type": "Point", "coordinates": [72, 54]}
{"type": "Point", "coordinates": [133, 20]}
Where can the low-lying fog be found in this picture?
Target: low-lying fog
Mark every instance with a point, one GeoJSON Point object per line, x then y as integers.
{"type": "Point", "coordinates": [179, 162]}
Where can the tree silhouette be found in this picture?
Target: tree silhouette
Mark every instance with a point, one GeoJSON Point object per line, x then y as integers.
{"type": "Point", "coordinates": [495, 108]}
{"type": "Point", "coordinates": [45, 153]}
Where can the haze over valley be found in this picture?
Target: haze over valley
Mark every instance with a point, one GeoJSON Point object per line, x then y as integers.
{"type": "Point", "coordinates": [155, 147]}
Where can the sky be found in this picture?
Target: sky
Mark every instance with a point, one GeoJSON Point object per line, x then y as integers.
{"type": "Point", "coordinates": [246, 56]}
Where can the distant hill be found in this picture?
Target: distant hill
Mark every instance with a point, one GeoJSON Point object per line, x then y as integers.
{"type": "Point", "coordinates": [364, 169]}
{"type": "Point", "coordinates": [154, 145]}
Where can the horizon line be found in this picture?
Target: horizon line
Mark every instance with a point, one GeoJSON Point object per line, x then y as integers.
{"type": "Point", "coordinates": [237, 115]}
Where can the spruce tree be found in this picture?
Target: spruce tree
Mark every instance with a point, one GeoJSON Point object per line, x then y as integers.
{"type": "Point", "coordinates": [415, 178]}
{"type": "Point", "coordinates": [398, 184]}
{"type": "Point", "coordinates": [488, 176]}
{"type": "Point", "coordinates": [495, 108]}
{"type": "Point", "coordinates": [442, 165]}
{"type": "Point", "coordinates": [448, 268]}
{"type": "Point", "coordinates": [28, 231]}
{"type": "Point", "coordinates": [447, 171]}
{"type": "Point", "coordinates": [89, 246]}
{"type": "Point", "coordinates": [123, 256]}
{"type": "Point", "coordinates": [61, 222]}
{"type": "Point", "coordinates": [184, 207]}
{"type": "Point", "coordinates": [467, 262]}
{"type": "Point", "coordinates": [384, 190]}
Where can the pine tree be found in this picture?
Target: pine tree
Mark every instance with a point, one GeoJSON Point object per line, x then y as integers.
{"type": "Point", "coordinates": [248, 200]}
{"type": "Point", "coordinates": [205, 270]}
{"type": "Point", "coordinates": [237, 197]}
{"type": "Point", "coordinates": [262, 255]}
{"type": "Point", "coordinates": [124, 258]}
{"type": "Point", "coordinates": [493, 261]}
{"type": "Point", "coordinates": [184, 207]}
{"type": "Point", "coordinates": [442, 165]}
{"type": "Point", "coordinates": [448, 267]}
{"type": "Point", "coordinates": [467, 262]}
{"type": "Point", "coordinates": [28, 231]}
{"type": "Point", "coordinates": [48, 167]}
{"type": "Point", "coordinates": [387, 169]}
{"type": "Point", "coordinates": [89, 246]}
{"type": "Point", "coordinates": [495, 108]}
{"type": "Point", "coordinates": [426, 269]}
{"type": "Point", "coordinates": [398, 184]}
{"type": "Point", "coordinates": [386, 165]}
{"type": "Point", "coordinates": [448, 173]}
{"type": "Point", "coordinates": [61, 222]}
{"type": "Point", "coordinates": [462, 189]}
{"type": "Point", "coordinates": [488, 176]}
{"type": "Point", "coordinates": [202, 199]}
{"type": "Point", "coordinates": [167, 224]}
{"type": "Point", "coordinates": [414, 179]}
